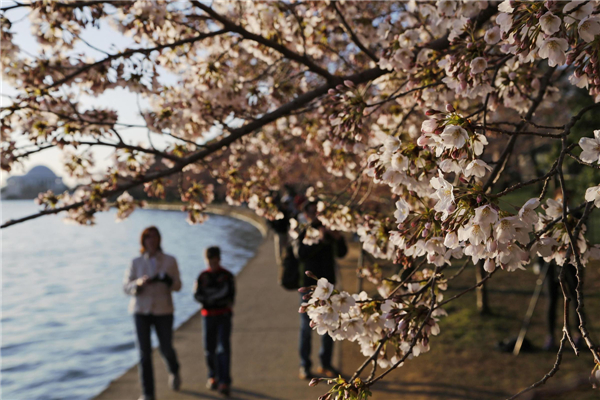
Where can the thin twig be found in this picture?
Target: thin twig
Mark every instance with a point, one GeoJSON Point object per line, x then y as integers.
{"type": "Point", "coordinates": [550, 374]}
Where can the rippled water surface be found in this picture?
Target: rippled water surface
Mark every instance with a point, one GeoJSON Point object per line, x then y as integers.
{"type": "Point", "coordinates": [66, 332]}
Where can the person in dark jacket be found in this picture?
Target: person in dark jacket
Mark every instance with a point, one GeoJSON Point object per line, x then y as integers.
{"type": "Point", "coordinates": [215, 289]}
{"type": "Point", "coordinates": [318, 258]}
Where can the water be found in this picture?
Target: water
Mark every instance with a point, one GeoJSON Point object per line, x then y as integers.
{"type": "Point", "coordinates": [66, 332]}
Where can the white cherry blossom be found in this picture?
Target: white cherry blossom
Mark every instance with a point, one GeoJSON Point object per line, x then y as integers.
{"type": "Point", "coordinates": [588, 28]}
{"type": "Point", "coordinates": [479, 143]}
{"type": "Point", "coordinates": [505, 7]}
{"type": "Point", "coordinates": [593, 194]}
{"type": "Point", "coordinates": [477, 168]}
{"type": "Point", "coordinates": [444, 191]}
{"type": "Point", "coordinates": [527, 212]}
{"type": "Point", "coordinates": [402, 211]}
{"type": "Point", "coordinates": [492, 36]}
{"type": "Point", "coordinates": [485, 216]}
{"type": "Point", "coordinates": [550, 23]}
{"type": "Point", "coordinates": [323, 289]}
{"type": "Point", "coordinates": [582, 9]}
{"type": "Point", "coordinates": [554, 50]}
{"type": "Point", "coordinates": [489, 266]}
{"type": "Point", "coordinates": [342, 302]}
{"type": "Point", "coordinates": [554, 208]}
{"type": "Point", "coordinates": [591, 148]}
{"type": "Point", "coordinates": [478, 65]}
{"type": "Point", "coordinates": [454, 136]}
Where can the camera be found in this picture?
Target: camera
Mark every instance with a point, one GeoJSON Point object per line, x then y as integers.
{"type": "Point", "coordinates": [162, 277]}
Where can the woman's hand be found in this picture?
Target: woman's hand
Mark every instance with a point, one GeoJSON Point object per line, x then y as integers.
{"type": "Point", "coordinates": [141, 282]}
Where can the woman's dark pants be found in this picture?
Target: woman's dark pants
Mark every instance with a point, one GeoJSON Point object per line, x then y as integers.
{"type": "Point", "coordinates": [163, 325]}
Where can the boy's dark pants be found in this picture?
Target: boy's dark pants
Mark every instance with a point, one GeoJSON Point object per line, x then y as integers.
{"type": "Point", "coordinates": [217, 347]}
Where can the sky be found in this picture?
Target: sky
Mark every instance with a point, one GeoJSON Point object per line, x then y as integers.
{"type": "Point", "coordinates": [121, 100]}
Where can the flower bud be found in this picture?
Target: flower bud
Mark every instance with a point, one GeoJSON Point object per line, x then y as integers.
{"type": "Point", "coordinates": [314, 382]}
{"type": "Point", "coordinates": [489, 266]}
{"type": "Point", "coordinates": [311, 275]}
{"type": "Point", "coordinates": [450, 108]}
{"type": "Point", "coordinates": [349, 83]}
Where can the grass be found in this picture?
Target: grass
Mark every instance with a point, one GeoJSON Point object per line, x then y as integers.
{"type": "Point", "coordinates": [464, 361]}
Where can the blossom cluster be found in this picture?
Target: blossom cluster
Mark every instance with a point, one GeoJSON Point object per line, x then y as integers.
{"type": "Point", "coordinates": [405, 327]}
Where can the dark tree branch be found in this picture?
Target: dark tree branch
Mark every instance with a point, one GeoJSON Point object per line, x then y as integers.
{"type": "Point", "coordinates": [211, 148]}
{"type": "Point", "coordinates": [232, 27]}
{"type": "Point", "coordinates": [131, 52]}
{"type": "Point", "coordinates": [550, 374]}
{"type": "Point", "coordinates": [352, 35]}
{"type": "Point", "coordinates": [501, 164]}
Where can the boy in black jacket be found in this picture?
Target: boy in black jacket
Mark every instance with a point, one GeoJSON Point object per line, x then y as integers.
{"type": "Point", "coordinates": [215, 289]}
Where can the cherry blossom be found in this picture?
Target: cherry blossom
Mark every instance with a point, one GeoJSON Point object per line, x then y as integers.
{"type": "Point", "coordinates": [591, 148]}
{"type": "Point", "coordinates": [554, 50]}
{"type": "Point", "coordinates": [323, 290]}
{"type": "Point", "coordinates": [550, 23]}
{"type": "Point", "coordinates": [593, 194]}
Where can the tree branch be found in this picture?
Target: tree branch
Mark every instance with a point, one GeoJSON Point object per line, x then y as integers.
{"type": "Point", "coordinates": [133, 51]}
{"type": "Point", "coordinates": [501, 164]}
{"type": "Point", "coordinates": [350, 32]}
{"type": "Point", "coordinates": [232, 27]}
{"type": "Point", "coordinates": [209, 149]}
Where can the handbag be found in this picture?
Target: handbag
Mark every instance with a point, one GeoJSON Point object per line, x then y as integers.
{"type": "Point", "coordinates": [289, 274]}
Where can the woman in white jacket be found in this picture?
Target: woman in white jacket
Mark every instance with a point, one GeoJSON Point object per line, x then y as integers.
{"type": "Point", "coordinates": [150, 280]}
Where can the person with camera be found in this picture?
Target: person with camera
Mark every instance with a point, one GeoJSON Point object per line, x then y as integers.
{"type": "Point", "coordinates": [318, 258]}
{"type": "Point", "coordinates": [150, 280]}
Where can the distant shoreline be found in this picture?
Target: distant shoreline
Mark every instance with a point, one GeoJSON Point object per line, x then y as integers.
{"type": "Point", "coordinates": [237, 212]}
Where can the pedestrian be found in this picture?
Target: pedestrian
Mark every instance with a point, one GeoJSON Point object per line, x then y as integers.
{"type": "Point", "coordinates": [281, 226]}
{"type": "Point", "coordinates": [318, 258]}
{"type": "Point", "coordinates": [215, 290]}
{"type": "Point", "coordinates": [150, 280]}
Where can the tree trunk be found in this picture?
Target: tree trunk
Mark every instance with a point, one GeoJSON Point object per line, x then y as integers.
{"type": "Point", "coordinates": [482, 298]}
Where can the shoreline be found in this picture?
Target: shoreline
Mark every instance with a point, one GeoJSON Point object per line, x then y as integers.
{"type": "Point", "coordinates": [241, 213]}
